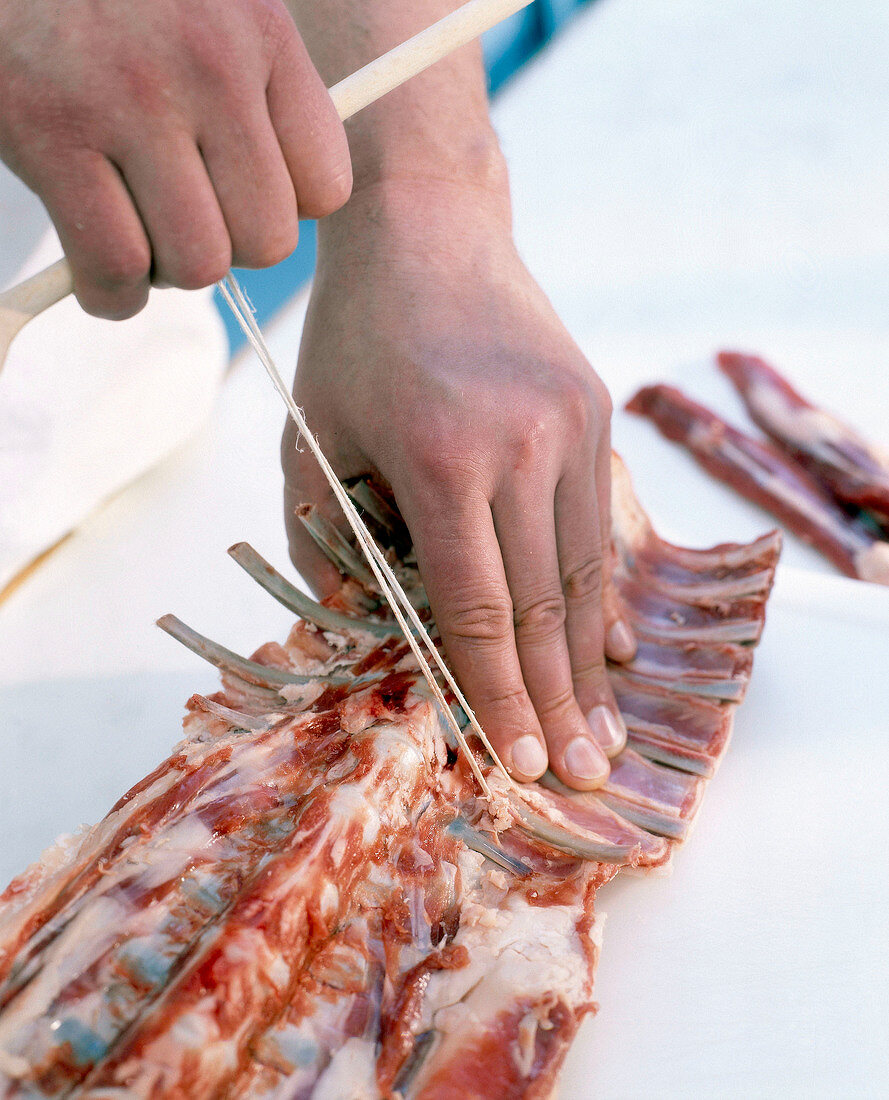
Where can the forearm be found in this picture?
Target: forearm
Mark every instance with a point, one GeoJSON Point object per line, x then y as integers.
{"type": "Point", "coordinates": [433, 129]}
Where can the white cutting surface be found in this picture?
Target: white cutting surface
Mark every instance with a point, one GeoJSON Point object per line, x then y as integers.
{"type": "Point", "coordinates": [686, 176]}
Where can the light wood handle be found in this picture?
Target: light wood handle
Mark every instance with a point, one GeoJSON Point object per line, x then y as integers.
{"type": "Point", "coordinates": [39, 292]}
{"type": "Point", "coordinates": [464, 25]}
{"type": "Point", "coordinates": [368, 84]}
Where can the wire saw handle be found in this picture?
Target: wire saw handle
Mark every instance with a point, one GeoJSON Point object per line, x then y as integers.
{"type": "Point", "coordinates": [462, 26]}
{"type": "Point", "coordinates": [38, 293]}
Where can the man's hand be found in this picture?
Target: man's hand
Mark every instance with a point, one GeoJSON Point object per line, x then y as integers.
{"type": "Point", "coordinates": [168, 139]}
{"type": "Point", "coordinates": [431, 357]}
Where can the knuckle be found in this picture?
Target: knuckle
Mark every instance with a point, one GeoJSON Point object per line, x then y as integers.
{"type": "Point", "coordinates": [577, 403]}
{"type": "Point", "coordinates": [583, 406]}
{"type": "Point", "coordinates": [555, 707]}
{"type": "Point", "coordinates": [441, 457]}
{"type": "Point", "coordinates": [586, 403]}
{"type": "Point", "coordinates": [212, 48]}
{"type": "Point", "coordinates": [484, 620]}
{"type": "Point", "coordinates": [124, 266]}
{"type": "Point", "coordinates": [589, 670]}
{"type": "Point", "coordinates": [276, 25]}
{"type": "Point", "coordinates": [601, 398]}
{"type": "Point", "coordinates": [541, 618]}
{"type": "Point", "coordinates": [193, 272]}
{"type": "Point", "coordinates": [270, 248]}
{"type": "Point", "coordinates": [112, 306]}
{"type": "Point", "coordinates": [584, 581]}
{"type": "Point", "coordinates": [510, 700]}
{"type": "Point", "coordinates": [334, 191]}
{"type": "Point", "coordinates": [532, 436]}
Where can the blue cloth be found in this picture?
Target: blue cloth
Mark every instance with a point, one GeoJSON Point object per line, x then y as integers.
{"type": "Point", "coordinates": [506, 47]}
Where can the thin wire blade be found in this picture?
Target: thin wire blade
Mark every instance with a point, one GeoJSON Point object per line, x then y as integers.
{"type": "Point", "coordinates": [388, 582]}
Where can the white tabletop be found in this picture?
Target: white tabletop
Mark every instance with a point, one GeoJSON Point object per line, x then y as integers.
{"type": "Point", "coordinates": [686, 176]}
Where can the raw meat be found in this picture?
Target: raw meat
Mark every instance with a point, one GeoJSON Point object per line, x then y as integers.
{"type": "Point", "coordinates": [310, 897]}
{"type": "Point", "coordinates": [855, 471]}
{"type": "Point", "coordinates": [764, 474]}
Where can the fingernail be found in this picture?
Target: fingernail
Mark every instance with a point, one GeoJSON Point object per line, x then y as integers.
{"type": "Point", "coordinates": [583, 761]}
{"type": "Point", "coordinates": [621, 640]}
{"type": "Point", "coordinates": [608, 729]}
{"type": "Point", "coordinates": [528, 756]}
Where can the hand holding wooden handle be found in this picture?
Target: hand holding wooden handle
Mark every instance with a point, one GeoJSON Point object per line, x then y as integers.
{"type": "Point", "coordinates": [23, 302]}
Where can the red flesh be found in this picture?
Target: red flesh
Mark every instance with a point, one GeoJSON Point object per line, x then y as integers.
{"type": "Point", "coordinates": [757, 471]}
{"type": "Point", "coordinates": [316, 935]}
{"type": "Point", "coordinates": [834, 453]}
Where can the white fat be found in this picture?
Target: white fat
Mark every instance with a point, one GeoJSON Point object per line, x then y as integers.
{"type": "Point", "coordinates": [526, 1042]}
{"type": "Point", "coordinates": [355, 720]}
{"type": "Point", "coordinates": [350, 803]}
{"type": "Point", "coordinates": [329, 901]}
{"type": "Point", "coordinates": [86, 938]}
{"type": "Point", "coordinates": [351, 1075]}
{"type": "Point", "coordinates": [12, 1066]}
{"type": "Point", "coordinates": [498, 879]}
{"type": "Point", "coordinates": [301, 695]}
{"type": "Point", "coordinates": [195, 1029]}
{"type": "Point", "coordinates": [278, 972]}
{"type": "Point", "coordinates": [342, 768]}
{"type": "Point", "coordinates": [872, 564]}
{"type": "Point", "coordinates": [171, 854]}
{"type": "Point", "coordinates": [813, 430]}
{"type": "Point", "coordinates": [458, 1017]}
{"type": "Point", "coordinates": [517, 952]}
{"type": "Point", "coordinates": [783, 491]}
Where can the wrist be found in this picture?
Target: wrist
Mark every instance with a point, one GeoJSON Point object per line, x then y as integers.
{"type": "Point", "coordinates": [420, 208]}
{"type": "Point", "coordinates": [397, 145]}
{"type": "Point", "coordinates": [416, 226]}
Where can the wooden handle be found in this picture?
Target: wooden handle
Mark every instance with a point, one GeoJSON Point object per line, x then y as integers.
{"type": "Point", "coordinates": [22, 302]}
{"type": "Point", "coordinates": [398, 65]}
{"type": "Point", "coordinates": [39, 292]}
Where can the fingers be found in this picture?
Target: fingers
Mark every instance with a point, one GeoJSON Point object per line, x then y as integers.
{"type": "Point", "coordinates": [579, 504]}
{"type": "Point", "coordinates": [309, 131]}
{"type": "Point", "coordinates": [525, 523]}
{"type": "Point", "coordinates": [620, 644]}
{"type": "Point", "coordinates": [253, 187]}
{"type": "Point", "coordinates": [462, 571]}
{"type": "Point", "coordinates": [100, 231]}
{"type": "Point", "coordinates": [213, 172]}
{"type": "Point", "coordinates": [169, 183]}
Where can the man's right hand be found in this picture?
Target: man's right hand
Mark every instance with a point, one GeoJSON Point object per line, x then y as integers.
{"type": "Point", "coordinates": [168, 139]}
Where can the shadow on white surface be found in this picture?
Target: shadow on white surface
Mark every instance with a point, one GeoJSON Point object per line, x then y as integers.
{"type": "Point", "coordinates": [75, 745]}
{"type": "Point", "coordinates": [758, 967]}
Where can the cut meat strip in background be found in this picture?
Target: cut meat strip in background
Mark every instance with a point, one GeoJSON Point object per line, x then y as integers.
{"type": "Point", "coordinates": [855, 471]}
{"type": "Point", "coordinates": [766, 476]}
{"type": "Point", "coordinates": [311, 897]}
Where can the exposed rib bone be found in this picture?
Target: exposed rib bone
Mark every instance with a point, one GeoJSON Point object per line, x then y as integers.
{"type": "Point", "coordinates": [367, 497]}
{"type": "Point", "coordinates": [392, 590]}
{"type": "Point", "coordinates": [478, 842]}
{"type": "Point", "coordinates": [298, 602]}
{"type": "Point", "coordinates": [251, 671]}
{"type": "Point", "coordinates": [334, 546]}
